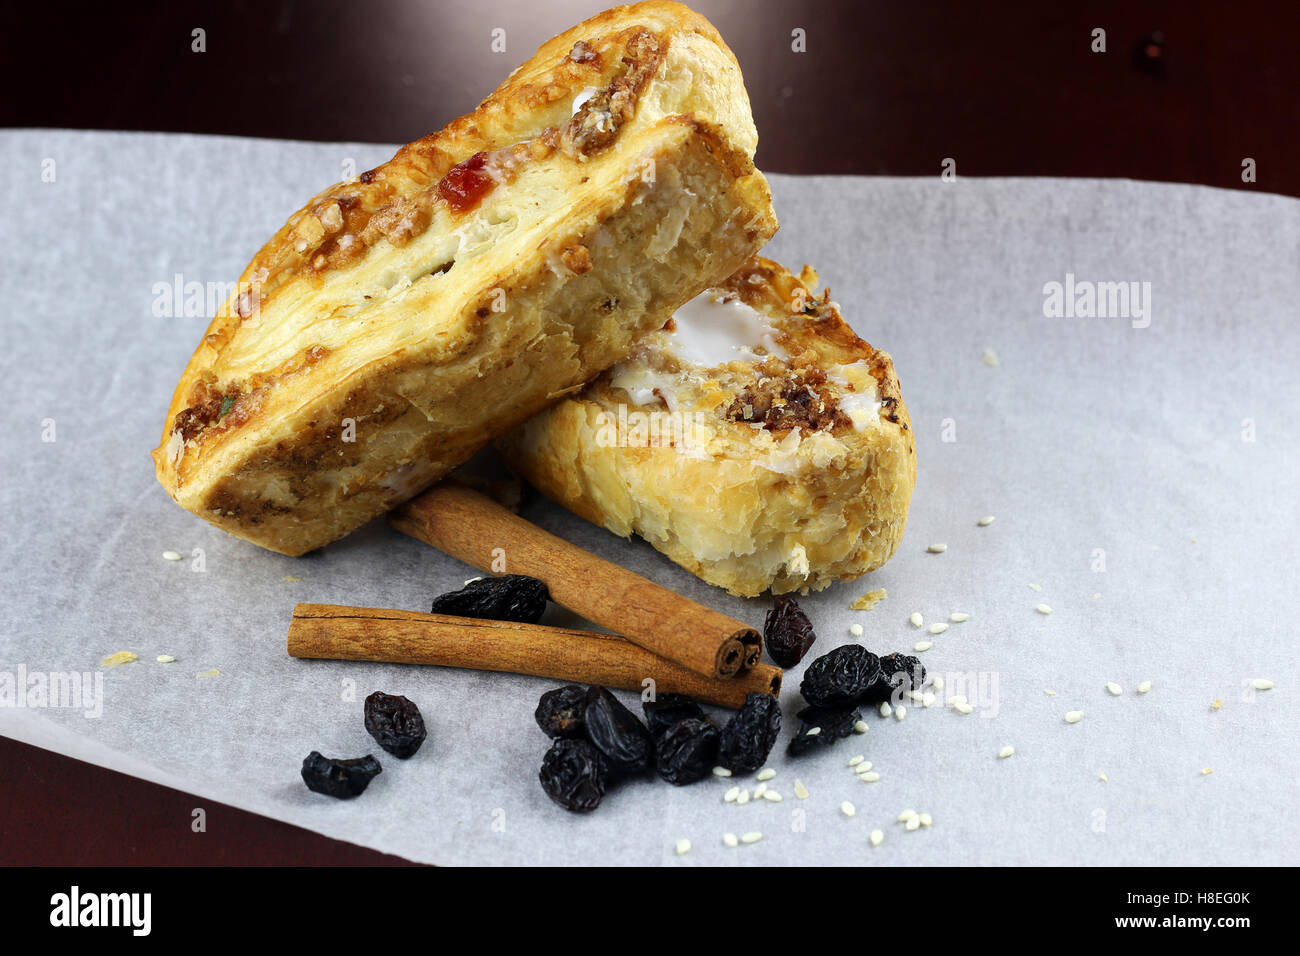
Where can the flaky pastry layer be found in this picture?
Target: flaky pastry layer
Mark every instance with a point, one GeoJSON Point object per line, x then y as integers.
{"type": "Point", "coordinates": [786, 468]}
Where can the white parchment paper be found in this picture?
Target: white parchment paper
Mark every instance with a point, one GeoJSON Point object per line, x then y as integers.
{"type": "Point", "coordinates": [1144, 478]}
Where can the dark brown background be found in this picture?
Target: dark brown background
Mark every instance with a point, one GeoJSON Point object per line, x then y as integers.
{"type": "Point", "coordinates": [1185, 92]}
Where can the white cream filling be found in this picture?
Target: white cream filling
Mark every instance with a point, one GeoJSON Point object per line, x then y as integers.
{"type": "Point", "coordinates": [581, 99]}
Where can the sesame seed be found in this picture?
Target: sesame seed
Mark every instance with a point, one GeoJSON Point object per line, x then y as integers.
{"type": "Point", "coordinates": [800, 790]}
{"type": "Point", "coordinates": [900, 712]}
{"type": "Point", "coordinates": [937, 683]}
{"type": "Point", "coordinates": [1073, 716]}
{"type": "Point", "coordinates": [990, 358]}
{"type": "Point", "coordinates": [916, 619]}
{"type": "Point", "coordinates": [915, 696]}
{"type": "Point", "coordinates": [913, 823]}
{"type": "Point", "coordinates": [730, 840]}
{"type": "Point", "coordinates": [927, 700]}
{"type": "Point", "coordinates": [906, 815]}
{"type": "Point", "coordinates": [926, 819]}
{"type": "Point", "coordinates": [767, 773]}
{"type": "Point", "coordinates": [959, 617]}
{"type": "Point", "coordinates": [871, 776]}
{"type": "Point", "coordinates": [922, 645]}
{"type": "Point", "coordinates": [861, 727]}
{"type": "Point", "coordinates": [1006, 751]}
{"type": "Point", "coordinates": [963, 708]}
{"type": "Point", "coordinates": [683, 846]}
{"type": "Point", "coordinates": [1101, 775]}
{"type": "Point", "coordinates": [1261, 683]}
{"type": "Point", "coordinates": [855, 630]}
{"type": "Point", "coordinates": [165, 659]}
{"type": "Point", "coordinates": [1206, 771]}
{"type": "Point", "coordinates": [472, 580]}
{"type": "Point", "coordinates": [877, 837]}
{"type": "Point", "coordinates": [752, 837]}
{"type": "Point", "coordinates": [212, 673]}
{"type": "Point", "coordinates": [772, 796]}
{"type": "Point", "coordinates": [885, 709]}
{"type": "Point", "coordinates": [813, 731]}
{"type": "Point", "coordinates": [938, 628]}
{"type": "Point", "coordinates": [854, 761]}
{"type": "Point", "coordinates": [1035, 587]}
{"type": "Point", "coordinates": [721, 772]}
{"type": "Point", "coordinates": [1049, 693]}
{"type": "Point", "coordinates": [171, 556]}
{"type": "Point", "coordinates": [957, 699]}
{"type": "Point", "coordinates": [848, 809]}
{"type": "Point", "coordinates": [742, 798]}
{"type": "Point", "coordinates": [1144, 687]}
{"type": "Point", "coordinates": [1114, 689]}
{"type": "Point", "coordinates": [1042, 609]}
{"type": "Point", "coordinates": [759, 791]}
{"type": "Point", "coordinates": [862, 767]}
{"type": "Point", "coordinates": [731, 795]}
{"type": "Point", "coordinates": [986, 521]}
{"type": "Point", "coordinates": [937, 548]}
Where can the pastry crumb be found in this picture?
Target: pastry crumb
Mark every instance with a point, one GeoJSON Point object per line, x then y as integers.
{"type": "Point", "coordinates": [212, 673]}
{"type": "Point", "coordinates": [120, 658]}
{"type": "Point", "coordinates": [869, 600]}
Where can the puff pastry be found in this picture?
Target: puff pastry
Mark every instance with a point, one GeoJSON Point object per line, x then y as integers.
{"type": "Point", "coordinates": [401, 320]}
{"type": "Point", "coordinates": [755, 440]}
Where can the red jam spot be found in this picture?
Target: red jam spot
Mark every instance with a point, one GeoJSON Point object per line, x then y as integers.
{"type": "Point", "coordinates": [466, 183]}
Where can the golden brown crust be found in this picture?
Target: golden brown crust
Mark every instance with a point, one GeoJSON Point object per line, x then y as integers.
{"type": "Point", "coordinates": [382, 305]}
{"type": "Point", "coordinates": [747, 504]}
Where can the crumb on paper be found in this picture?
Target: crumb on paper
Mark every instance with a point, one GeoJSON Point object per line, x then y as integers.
{"type": "Point", "coordinates": [1216, 705]}
{"type": "Point", "coordinates": [991, 358]}
{"type": "Point", "coordinates": [869, 600]}
{"type": "Point", "coordinates": [212, 673]}
{"type": "Point", "coordinates": [1206, 771]}
{"type": "Point", "coordinates": [798, 561]}
{"type": "Point", "coordinates": [1101, 775]}
{"type": "Point", "coordinates": [291, 579]}
{"type": "Point", "coordinates": [120, 658]}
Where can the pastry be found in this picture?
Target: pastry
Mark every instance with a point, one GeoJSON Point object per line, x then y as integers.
{"type": "Point", "coordinates": [755, 440]}
{"type": "Point", "coordinates": [401, 320]}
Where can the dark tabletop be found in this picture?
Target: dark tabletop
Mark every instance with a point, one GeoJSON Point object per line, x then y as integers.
{"type": "Point", "coordinates": [1186, 91]}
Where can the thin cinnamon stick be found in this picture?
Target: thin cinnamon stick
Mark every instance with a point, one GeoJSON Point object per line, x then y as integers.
{"type": "Point", "coordinates": [470, 526]}
{"type": "Point", "coordinates": [586, 657]}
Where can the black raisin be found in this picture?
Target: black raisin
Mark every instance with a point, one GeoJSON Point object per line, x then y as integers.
{"type": "Point", "coordinates": [687, 751]}
{"type": "Point", "coordinates": [750, 734]}
{"type": "Point", "coordinates": [787, 632]}
{"type": "Point", "coordinates": [339, 778]}
{"type": "Point", "coordinates": [668, 709]}
{"type": "Point", "coordinates": [840, 677]}
{"type": "Point", "coordinates": [831, 724]}
{"type": "Point", "coordinates": [574, 775]}
{"type": "Point", "coordinates": [896, 670]}
{"type": "Point", "coordinates": [559, 712]}
{"type": "Point", "coordinates": [395, 723]}
{"type": "Point", "coordinates": [511, 597]}
{"type": "Point", "coordinates": [617, 733]}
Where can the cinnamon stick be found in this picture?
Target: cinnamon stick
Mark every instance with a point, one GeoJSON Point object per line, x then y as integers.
{"type": "Point", "coordinates": [470, 526]}
{"type": "Point", "coordinates": [586, 657]}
